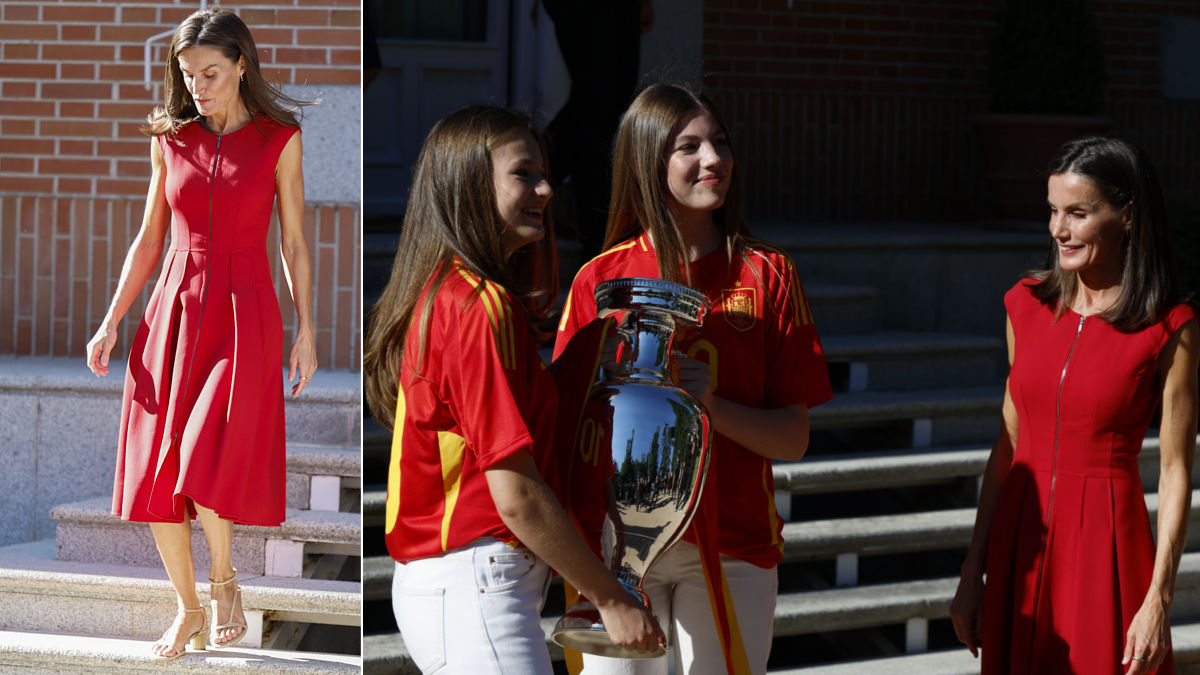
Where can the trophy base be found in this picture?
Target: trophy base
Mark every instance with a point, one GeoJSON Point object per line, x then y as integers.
{"type": "Point", "coordinates": [581, 629]}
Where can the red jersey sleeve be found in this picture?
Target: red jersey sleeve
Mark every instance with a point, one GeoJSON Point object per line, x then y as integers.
{"type": "Point", "coordinates": [796, 370]}
{"type": "Point", "coordinates": [486, 380]}
{"type": "Point", "coordinates": [578, 311]}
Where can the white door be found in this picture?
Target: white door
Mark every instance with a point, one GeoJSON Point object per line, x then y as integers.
{"type": "Point", "coordinates": [437, 56]}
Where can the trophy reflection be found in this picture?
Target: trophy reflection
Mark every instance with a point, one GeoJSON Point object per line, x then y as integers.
{"type": "Point", "coordinates": [649, 442]}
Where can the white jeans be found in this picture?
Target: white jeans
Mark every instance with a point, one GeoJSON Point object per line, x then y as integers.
{"type": "Point", "coordinates": [679, 598]}
{"type": "Point", "coordinates": [474, 610]}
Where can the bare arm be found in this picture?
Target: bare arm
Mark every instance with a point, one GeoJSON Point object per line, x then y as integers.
{"type": "Point", "coordinates": [968, 599]}
{"type": "Point", "coordinates": [1149, 632]}
{"type": "Point", "coordinates": [144, 254]}
{"type": "Point", "coordinates": [289, 187]}
{"type": "Point", "coordinates": [774, 433]}
{"type": "Point", "coordinates": [529, 508]}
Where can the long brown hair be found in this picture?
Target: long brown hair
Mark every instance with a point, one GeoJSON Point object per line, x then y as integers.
{"type": "Point", "coordinates": [639, 189]}
{"type": "Point", "coordinates": [222, 29]}
{"type": "Point", "coordinates": [1123, 174]}
{"type": "Point", "coordinates": [452, 213]}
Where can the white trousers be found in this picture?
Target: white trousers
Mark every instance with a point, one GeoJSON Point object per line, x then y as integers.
{"type": "Point", "coordinates": [474, 610]}
{"type": "Point", "coordinates": [679, 598]}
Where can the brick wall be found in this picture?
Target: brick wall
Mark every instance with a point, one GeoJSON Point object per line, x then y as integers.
{"type": "Point", "coordinates": [74, 167]}
{"type": "Point", "coordinates": [859, 110]}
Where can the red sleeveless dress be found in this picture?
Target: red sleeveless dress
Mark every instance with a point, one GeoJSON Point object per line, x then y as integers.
{"type": "Point", "coordinates": [202, 414]}
{"type": "Point", "coordinates": [1070, 553]}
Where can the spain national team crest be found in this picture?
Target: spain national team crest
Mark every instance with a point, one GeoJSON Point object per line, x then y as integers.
{"type": "Point", "coordinates": [738, 307]}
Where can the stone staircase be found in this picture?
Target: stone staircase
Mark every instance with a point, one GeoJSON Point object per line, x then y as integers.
{"type": "Point", "coordinates": [91, 598]}
{"type": "Point", "coordinates": [879, 513]}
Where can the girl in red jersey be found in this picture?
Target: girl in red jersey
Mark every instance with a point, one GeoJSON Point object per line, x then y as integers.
{"type": "Point", "coordinates": [451, 368]}
{"type": "Point", "coordinates": [756, 365]}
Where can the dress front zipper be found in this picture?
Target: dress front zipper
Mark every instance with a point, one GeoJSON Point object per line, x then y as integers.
{"type": "Point", "coordinates": [1053, 474]}
{"type": "Point", "coordinates": [212, 186]}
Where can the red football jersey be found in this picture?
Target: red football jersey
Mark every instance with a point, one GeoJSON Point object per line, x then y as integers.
{"type": "Point", "coordinates": [480, 395]}
{"type": "Point", "coordinates": [762, 346]}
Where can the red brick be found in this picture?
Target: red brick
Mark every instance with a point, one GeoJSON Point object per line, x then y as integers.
{"type": "Point", "coordinates": [73, 167]}
{"type": "Point", "coordinates": [345, 17]}
{"type": "Point", "coordinates": [731, 34]}
{"type": "Point", "coordinates": [76, 147]}
{"type": "Point", "coordinates": [276, 36]}
{"type": "Point", "coordinates": [27, 71]}
{"type": "Point", "coordinates": [14, 51]}
{"type": "Point", "coordinates": [128, 72]}
{"type": "Point", "coordinates": [139, 15]}
{"type": "Point", "coordinates": [91, 13]}
{"type": "Point", "coordinates": [303, 17]}
{"type": "Point", "coordinates": [22, 11]}
{"type": "Point", "coordinates": [77, 71]}
{"type": "Point", "coordinates": [112, 186]}
{"type": "Point", "coordinates": [24, 341]}
{"type": "Point", "coordinates": [328, 36]}
{"type": "Point", "coordinates": [15, 165]}
{"type": "Point", "coordinates": [315, 57]}
{"type": "Point", "coordinates": [78, 52]}
{"type": "Point", "coordinates": [86, 110]}
{"type": "Point", "coordinates": [26, 146]}
{"type": "Point", "coordinates": [124, 149]}
{"type": "Point", "coordinates": [129, 34]}
{"type": "Point", "coordinates": [171, 17]}
{"type": "Point", "coordinates": [18, 127]}
{"type": "Point", "coordinates": [28, 32]}
{"type": "Point", "coordinates": [73, 32]}
{"type": "Point", "coordinates": [257, 17]}
{"type": "Point", "coordinates": [18, 108]}
{"type": "Point", "coordinates": [345, 57]}
{"type": "Point", "coordinates": [124, 111]}
{"type": "Point", "coordinates": [88, 90]}
{"type": "Point", "coordinates": [86, 129]}
{"type": "Point", "coordinates": [74, 186]}
{"type": "Point", "coordinates": [133, 168]}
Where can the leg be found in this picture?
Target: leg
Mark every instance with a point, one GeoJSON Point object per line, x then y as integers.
{"type": "Point", "coordinates": [228, 619]}
{"type": "Point", "coordinates": [474, 610]}
{"type": "Point", "coordinates": [753, 590]}
{"type": "Point", "coordinates": [174, 543]}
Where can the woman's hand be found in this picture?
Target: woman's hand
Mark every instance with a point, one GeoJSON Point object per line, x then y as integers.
{"type": "Point", "coordinates": [965, 610]}
{"type": "Point", "coordinates": [695, 378]}
{"type": "Point", "coordinates": [99, 348]}
{"type": "Point", "coordinates": [303, 361]}
{"type": "Point", "coordinates": [629, 624]}
{"type": "Point", "coordinates": [1148, 637]}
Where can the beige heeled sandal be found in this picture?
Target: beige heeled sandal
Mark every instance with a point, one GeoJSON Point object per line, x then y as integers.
{"type": "Point", "coordinates": [197, 638]}
{"type": "Point", "coordinates": [231, 622]}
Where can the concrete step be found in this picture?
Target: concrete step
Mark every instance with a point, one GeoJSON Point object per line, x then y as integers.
{"type": "Point", "coordinates": [41, 594]}
{"type": "Point", "coordinates": [1185, 641]}
{"type": "Point", "coordinates": [842, 309]}
{"type": "Point", "coordinates": [931, 276]}
{"type": "Point", "coordinates": [846, 472]}
{"type": "Point", "coordinates": [323, 477]}
{"type": "Point", "coordinates": [60, 653]}
{"type": "Point", "coordinates": [902, 361]}
{"type": "Point", "coordinates": [943, 416]}
{"type": "Point", "coordinates": [87, 532]}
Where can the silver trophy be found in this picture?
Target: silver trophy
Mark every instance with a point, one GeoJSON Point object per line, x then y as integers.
{"type": "Point", "coordinates": [650, 437]}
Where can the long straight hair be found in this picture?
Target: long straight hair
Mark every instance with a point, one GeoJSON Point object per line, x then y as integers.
{"type": "Point", "coordinates": [452, 213]}
{"type": "Point", "coordinates": [1123, 174]}
{"type": "Point", "coordinates": [224, 30]}
{"type": "Point", "coordinates": [639, 188]}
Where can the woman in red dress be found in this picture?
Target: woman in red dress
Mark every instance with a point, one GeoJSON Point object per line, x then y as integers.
{"type": "Point", "coordinates": [1075, 582]}
{"type": "Point", "coordinates": [202, 431]}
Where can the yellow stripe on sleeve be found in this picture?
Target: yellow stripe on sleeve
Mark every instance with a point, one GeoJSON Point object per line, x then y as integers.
{"type": "Point", "coordinates": [504, 326]}
{"type": "Point", "coordinates": [451, 447]}
{"type": "Point", "coordinates": [393, 479]}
